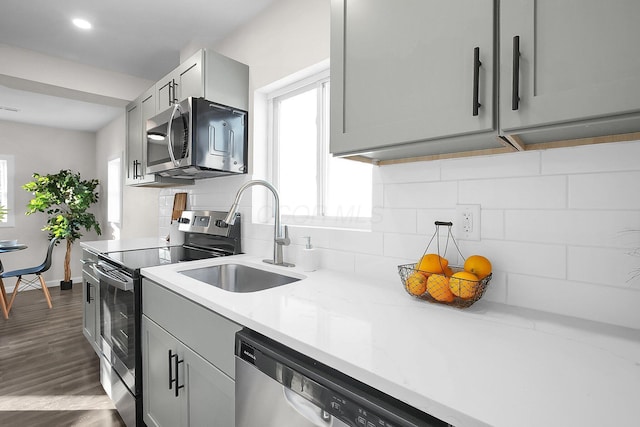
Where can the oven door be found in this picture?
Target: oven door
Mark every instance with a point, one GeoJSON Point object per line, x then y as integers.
{"type": "Point", "coordinates": [117, 321]}
{"type": "Point", "coordinates": [169, 139]}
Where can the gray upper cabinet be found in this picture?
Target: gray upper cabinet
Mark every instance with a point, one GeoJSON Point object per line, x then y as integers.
{"type": "Point", "coordinates": [405, 79]}
{"type": "Point", "coordinates": [134, 142]}
{"type": "Point", "coordinates": [186, 80]}
{"type": "Point", "coordinates": [206, 74]}
{"type": "Point", "coordinates": [576, 68]}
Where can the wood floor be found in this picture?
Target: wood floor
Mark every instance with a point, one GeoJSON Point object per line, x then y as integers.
{"type": "Point", "coordinates": [49, 374]}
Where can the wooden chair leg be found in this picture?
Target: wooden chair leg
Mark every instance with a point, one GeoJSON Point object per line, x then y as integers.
{"type": "Point", "coordinates": [14, 293]}
{"type": "Point", "coordinates": [47, 295]}
{"type": "Point", "coordinates": [3, 300]}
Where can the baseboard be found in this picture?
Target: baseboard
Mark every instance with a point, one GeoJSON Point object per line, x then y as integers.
{"type": "Point", "coordinates": [50, 283]}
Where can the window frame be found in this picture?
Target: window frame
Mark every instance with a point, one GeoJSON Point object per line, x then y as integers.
{"type": "Point", "coordinates": [10, 191]}
{"type": "Point", "coordinates": [319, 81]}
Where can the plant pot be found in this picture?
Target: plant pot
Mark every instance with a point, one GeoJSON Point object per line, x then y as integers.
{"type": "Point", "coordinates": [65, 285]}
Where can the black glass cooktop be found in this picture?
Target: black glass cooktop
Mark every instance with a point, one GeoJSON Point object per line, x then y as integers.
{"type": "Point", "coordinates": [151, 257]}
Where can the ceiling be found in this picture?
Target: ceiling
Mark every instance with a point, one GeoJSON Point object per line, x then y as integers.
{"type": "Point", "coordinates": [142, 38]}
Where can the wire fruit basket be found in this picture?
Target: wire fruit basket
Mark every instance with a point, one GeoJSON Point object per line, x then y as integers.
{"type": "Point", "coordinates": [443, 285]}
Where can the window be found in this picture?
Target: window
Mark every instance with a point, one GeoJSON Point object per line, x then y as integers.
{"type": "Point", "coordinates": [314, 186]}
{"type": "Point", "coordinates": [6, 190]}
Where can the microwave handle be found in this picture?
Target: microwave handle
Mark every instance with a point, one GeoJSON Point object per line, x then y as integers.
{"type": "Point", "coordinates": [176, 107]}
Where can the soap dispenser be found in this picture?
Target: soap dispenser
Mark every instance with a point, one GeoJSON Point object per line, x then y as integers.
{"type": "Point", "coordinates": [308, 257]}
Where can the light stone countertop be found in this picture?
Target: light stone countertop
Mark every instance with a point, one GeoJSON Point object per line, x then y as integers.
{"type": "Point", "coordinates": [485, 365]}
{"type": "Point", "coordinates": [489, 364]}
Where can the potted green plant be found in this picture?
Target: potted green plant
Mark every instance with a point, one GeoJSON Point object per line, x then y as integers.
{"type": "Point", "coordinates": [3, 212]}
{"type": "Point", "coordinates": [65, 197]}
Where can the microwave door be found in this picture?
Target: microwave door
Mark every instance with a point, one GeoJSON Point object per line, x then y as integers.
{"type": "Point", "coordinates": [157, 141]}
{"type": "Point", "coordinates": [178, 131]}
{"type": "Point", "coordinates": [168, 136]}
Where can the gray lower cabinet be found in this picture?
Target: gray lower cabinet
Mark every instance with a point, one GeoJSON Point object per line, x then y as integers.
{"type": "Point", "coordinates": [91, 298]}
{"type": "Point", "coordinates": [188, 363]}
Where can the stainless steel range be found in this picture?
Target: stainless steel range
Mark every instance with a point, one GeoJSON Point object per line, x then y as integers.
{"type": "Point", "coordinates": [121, 302]}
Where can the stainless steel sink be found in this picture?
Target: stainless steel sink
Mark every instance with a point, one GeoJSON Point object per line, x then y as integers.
{"type": "Point", "coordinates": [239, 278]}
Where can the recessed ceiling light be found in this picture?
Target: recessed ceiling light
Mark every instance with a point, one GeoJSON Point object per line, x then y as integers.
{"type": "Point", "coordinates": [82, 23]}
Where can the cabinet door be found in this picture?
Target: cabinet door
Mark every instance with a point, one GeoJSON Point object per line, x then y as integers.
{"type": "Point", "coordinates": [160, 405]}
{"type": "Point", "coordinates": [89, 314]}
{"type": "Point", "coordinates": [186, 80]}
{"type": "Point", "coordinates": [165, 93]}
{"type": "Point", "coordinates": [210, 394]}
{"type": "Point", "coordinates": [189, 77]}
{"type": "Point", "coordinates": [402, 74]}
{"type": "Point", "coordinates": [147, 111]}
{"type": "Point", "coordinates": [134, 142]}
{"type": "Point", "coordinates": [578, 59]}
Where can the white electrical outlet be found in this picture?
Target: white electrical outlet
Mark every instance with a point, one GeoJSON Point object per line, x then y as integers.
{"type": "Point", "coordinates": [467, 223]}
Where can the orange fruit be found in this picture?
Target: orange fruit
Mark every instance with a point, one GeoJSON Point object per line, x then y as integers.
{"type": "Point", "coordinates": [438, 287]}
{"type": "Point", "coordinates": [478, 265]}
{"type": "Point", "coordinates": [448, 272]}
{"type": "Point", "coordinates": [463, 284]}
{"type": "Point", "coordinates": [433, 263]}
{"type": "Point", "coordinates": [416, 283]}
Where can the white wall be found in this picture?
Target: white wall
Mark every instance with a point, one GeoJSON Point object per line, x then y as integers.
{"type": "Point", "coordinates": [139, 204]}
{"type": "Point", "coordinates": [557, 224]}
{"type": "Point", "coordinates": [43, 150]}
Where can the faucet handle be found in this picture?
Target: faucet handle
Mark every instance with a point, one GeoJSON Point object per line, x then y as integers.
{"type": "Point", "coordinates": [285, 240]}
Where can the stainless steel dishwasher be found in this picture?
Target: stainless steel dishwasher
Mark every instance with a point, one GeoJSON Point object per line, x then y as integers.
{"type": "Point", "coordinates": [279, 387]}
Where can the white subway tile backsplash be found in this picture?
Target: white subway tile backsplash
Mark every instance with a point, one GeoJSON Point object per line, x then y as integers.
{"type": "Point", "coordinates": [407, 172]}
{"type": "Point", "coordinates": [351, 241]}
{"type": "Point", "coordinates": [377, 196]}
{"type": "Point", "coordinates": [549, 192]}
{"type": "Point", "coordinates": [592, 158]}
{"type": "Point", "coordinates": [492, 224]}
{"type": "Point", "coordinates": [496, 290]}
{"type": "Point", "coordinates": [610, 267]}
{"type": "Point", "coordinates": [394, 220]}
{"type": "Point", "coordinates": [546, 260]}
{"type": "Point", "coordinates": [421, 195]}
{"type": "Point", "coordinates": [620, 190]}
{"type": "Point", "coordinates": [574, 227]}
{"type": "Point", "coordinates": [571, 298]}
{"type": "Point", "coordinates": [379, 268]}
{"type": "Point", "coordinates": [558, 225]}
{"type": "Point", "coordinates": [498, 166]}
{"type": "Point", "coordinates": [409, 247]}
{"type": "Point", "coordinates": [427, 218]}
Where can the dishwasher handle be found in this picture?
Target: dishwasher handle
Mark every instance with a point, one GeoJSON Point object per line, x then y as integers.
{"type": "Point", "coordinates": [315, 414]}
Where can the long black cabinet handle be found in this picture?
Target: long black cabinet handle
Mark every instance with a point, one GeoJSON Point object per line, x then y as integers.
{"type": "Point", "coordinates": [515, 89]}
{"type": "Point", "coordinates": [174, 100]}
{"type": "Point", "coordinates": [476, 79]}
{"type": "Point", "coordinates": [171, 379]}
{"type": "Point", "coordinates": [175, 366]}
{"type": "Point", "coordinates": [89, 298]}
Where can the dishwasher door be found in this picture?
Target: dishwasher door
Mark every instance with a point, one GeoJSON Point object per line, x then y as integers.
{"type": "Point", "coordinates": [279, 387]}
{"type": "Point", "coordinates": [262, 401]}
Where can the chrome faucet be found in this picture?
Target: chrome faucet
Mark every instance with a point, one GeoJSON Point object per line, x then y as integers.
{"type": "Point", "coordinates": [280, 238]}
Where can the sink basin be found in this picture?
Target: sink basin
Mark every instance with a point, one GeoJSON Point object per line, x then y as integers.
{"type": "Point", "coordinates": [239, 278]}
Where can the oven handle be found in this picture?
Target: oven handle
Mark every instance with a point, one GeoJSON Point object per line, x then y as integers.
{"type": "Point", "coordinates": [116, 282]}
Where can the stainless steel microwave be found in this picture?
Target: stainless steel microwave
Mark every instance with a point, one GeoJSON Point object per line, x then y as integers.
{"type": "Point", "coordinates": [197, 138]}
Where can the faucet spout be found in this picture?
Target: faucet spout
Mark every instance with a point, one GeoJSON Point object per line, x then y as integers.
{"type": "Point", "coordinates": [280, 236]}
